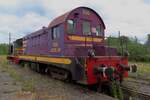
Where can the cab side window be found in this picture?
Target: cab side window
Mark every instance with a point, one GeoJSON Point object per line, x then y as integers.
{"type": "Point", "coordinates": [86, 28]}
{"type": "Point", "coordinates": [71, 26]}
{"type": "Point", "coordinates": [55, 32]}
{"type": "Point", "coordinates": [98, 31]}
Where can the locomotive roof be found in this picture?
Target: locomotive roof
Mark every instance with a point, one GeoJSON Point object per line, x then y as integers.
{"type": "Point", "coordinates": [58, 21]}
{"type": "Point", "coordinates": [64, 17]}
{"type": "Point", "coordinates": [36, 33]}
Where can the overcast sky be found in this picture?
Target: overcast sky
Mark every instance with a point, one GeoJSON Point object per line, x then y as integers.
{"type": "Point", "coordinates": [20, 17]}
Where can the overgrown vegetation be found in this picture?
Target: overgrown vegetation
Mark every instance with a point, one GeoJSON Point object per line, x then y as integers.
{"type": "Point", "coordinates": [3, 49]}
{"type": "Point", "coordinates": [137, 51]}
{"type": "Point", "coordinates": [27, 85]}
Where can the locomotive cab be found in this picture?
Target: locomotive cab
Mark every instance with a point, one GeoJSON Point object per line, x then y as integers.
{"type": "Point", "coordinates": [82, 29]}
{"type": "Point", "coordinates": [18, 47]}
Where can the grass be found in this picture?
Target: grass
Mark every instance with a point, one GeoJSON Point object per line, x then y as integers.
{"type": "Point", "coordinates": [27, 85]}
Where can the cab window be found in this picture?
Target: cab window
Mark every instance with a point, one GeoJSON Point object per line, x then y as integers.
{"type": "Point", "coordinates": [86, 28]}
{"type": "Point", "coordinates": [71, 27]}
{"type": "Point", "coordinates": [55, 32]}
{"type": "Point", "coordinates": [98, 31]}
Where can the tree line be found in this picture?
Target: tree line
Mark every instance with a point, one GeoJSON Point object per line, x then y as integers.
{"type": "Point", "coordinates": [137, 51]}
{"type": "Point", "coordinates": [4, 49]}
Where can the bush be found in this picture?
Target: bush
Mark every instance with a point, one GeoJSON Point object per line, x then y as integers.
{"type": "Point", "coordinates": [3, 49]}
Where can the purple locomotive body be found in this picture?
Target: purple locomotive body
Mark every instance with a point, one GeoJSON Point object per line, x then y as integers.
{"type": "Point", "coordinates": [71, 34]}
{"type": "Point", "coordinates": [73, 47]}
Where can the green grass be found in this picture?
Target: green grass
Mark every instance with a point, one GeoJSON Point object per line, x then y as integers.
{"type": "Point", "coordinates": [27, 85]}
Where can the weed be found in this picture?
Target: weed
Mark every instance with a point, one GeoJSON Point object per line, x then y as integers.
{"type": "Point", "coordinates": [27, 85]}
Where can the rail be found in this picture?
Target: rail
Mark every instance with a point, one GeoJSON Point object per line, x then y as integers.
{"type": "Point", "coordinates": [136, 94]}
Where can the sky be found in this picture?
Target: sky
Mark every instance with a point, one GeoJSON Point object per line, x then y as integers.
{"type": "Point", "coordinates": [21, 17]}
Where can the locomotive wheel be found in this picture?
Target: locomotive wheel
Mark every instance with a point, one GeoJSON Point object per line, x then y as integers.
{"type": "Point", "coordinates": [40, 68]}
{"type": "Point", "coordinates": [59, 74]}
{"type": "Point", "coordinates": [22, 63]}
{"type": "Point", "coordinates": [67, 77]}
{"type": "Point", "coordinates": [28, 64]}
{"type": "Point", "coordinates": [33, 66]}
{"type": "Point", "coordinates": [43, 68]}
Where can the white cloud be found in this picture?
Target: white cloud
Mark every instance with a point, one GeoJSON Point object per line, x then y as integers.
{"type": "Point", "coordinates": [8, 3]}
{"type": "Point", "coordinates": [19, 27]}
{"type": "Point", "coordinates": [131, 17]}
{"type": "Point", "coordinates": [128, 16]}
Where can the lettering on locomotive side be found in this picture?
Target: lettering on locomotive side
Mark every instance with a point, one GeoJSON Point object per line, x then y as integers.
{"type": "Point", "coordinates": [55, 50]}
{"type": "Point", "coordinates": [55, 44]}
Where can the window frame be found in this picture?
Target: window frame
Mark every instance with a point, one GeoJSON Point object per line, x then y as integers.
{"type": "Point", "coordinates": [100, 30]}
{"type": "Point", "coordinates": [73, 29]}
{"type": "Point", "coordinates": [83, 20]}
{"type": "Point", "coordinates": [55, 35]}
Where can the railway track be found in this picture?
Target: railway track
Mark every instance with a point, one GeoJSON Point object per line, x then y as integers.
{"type": "Point", "coordinates": [134, 94]}
{"type": "Point", "coordinates": [131, 92]}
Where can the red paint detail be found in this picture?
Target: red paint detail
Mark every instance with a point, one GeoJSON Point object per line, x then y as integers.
{"type": "Point", "coordinates": [108, 61]}
{"type": "Point", "coordinates": [13, 59]}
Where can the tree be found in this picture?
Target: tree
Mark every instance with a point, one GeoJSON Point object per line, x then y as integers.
{"type": "Point", "coordinates": [3, 49]}
{"type": "Point", "coordinates": [148, 40]}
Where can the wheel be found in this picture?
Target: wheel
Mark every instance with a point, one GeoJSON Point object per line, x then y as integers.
{"type": "Point", "coordinates": [42, 68]}
{"type": "Point", "coordinates": [33, 66]}
{"type": "Point", "coordinates": [22, 63]}
{"type": "Point", "coordinates": [38, 67]}
{"type": "Point", "coordinates": [67, 77]}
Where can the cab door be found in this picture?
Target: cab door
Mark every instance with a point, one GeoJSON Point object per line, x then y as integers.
{"type": "Point", "coordinates": [56, 40]}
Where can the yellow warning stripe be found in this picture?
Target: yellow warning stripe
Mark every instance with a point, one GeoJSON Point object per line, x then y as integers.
{"type": "Point", "coordinates": [79, 45]}
{"type": "Point", "coordinates": [19, 48]}
{"type": "Point", "coordinates": [27, 57]}
{"type": "Point", "coordinates": [47, 59]}
{"type": "Point", "coordinates": [88, 39]}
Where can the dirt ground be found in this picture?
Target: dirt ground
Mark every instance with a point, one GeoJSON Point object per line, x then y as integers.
{"type": "Point", "coordinates": [21, 83]}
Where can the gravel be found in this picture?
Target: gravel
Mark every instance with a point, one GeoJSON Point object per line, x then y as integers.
{"type": "Point", "coordinates": [44, 88]}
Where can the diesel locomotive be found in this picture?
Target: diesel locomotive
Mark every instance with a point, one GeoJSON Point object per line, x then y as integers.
{"type": "Point", "coordinates": [73, 47]}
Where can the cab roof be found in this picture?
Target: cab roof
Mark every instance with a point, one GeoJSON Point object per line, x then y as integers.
{"type": "Point", "coordinates": [63, 18]}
